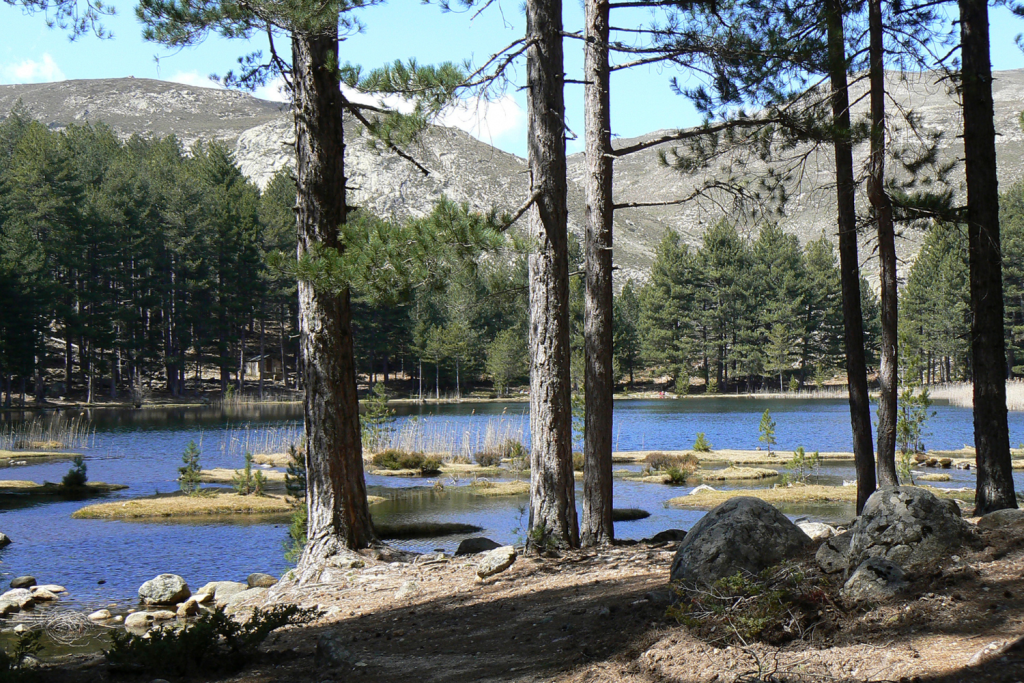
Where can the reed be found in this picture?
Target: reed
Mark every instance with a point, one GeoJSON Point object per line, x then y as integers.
{"type": "Point", "coordinates": [456, 442]}
{"type": "Point", "coordinates": [823, 392]}
{"type": "Point", "coordinates": [961, 394]}
{"type": "Point", "coordinates": [261, 440]}
{"type": "Point", "coordinates": [56, 432]}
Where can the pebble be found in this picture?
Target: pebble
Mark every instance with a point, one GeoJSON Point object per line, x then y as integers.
{"type": "Point", "coordinates": [100, 615]}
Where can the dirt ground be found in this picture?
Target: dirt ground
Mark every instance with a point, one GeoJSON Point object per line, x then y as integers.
{"type": "Point", "coordinates": [600, 615]}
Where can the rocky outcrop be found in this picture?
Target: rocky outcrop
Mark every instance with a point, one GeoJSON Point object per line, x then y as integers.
{"type": "Point", "coordinates": [743, 534]}
{"type": "Point", "coordinates": [165, 589]}
{"type": "Point", "coordinates": [907, 525]}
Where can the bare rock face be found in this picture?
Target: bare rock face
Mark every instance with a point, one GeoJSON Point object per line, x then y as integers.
{"type": "Point", "coordinates": [907, 525]}
{"type": "Point", "coordinates": [875, 579]}
{"type": "Point", "coordinates": [165, 589]}
{"type": "Point", "coordinates": [743, 534]}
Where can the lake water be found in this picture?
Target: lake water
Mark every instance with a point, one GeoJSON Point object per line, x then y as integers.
{"type": "Point", "coordinates": [104, 562]}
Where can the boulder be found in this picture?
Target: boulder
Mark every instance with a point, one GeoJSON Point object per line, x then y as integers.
{"type": "Point", "coordinates": [165, 589]}
{"type": "Point", "coordinates": [667, 536]}
{"type": "Point", "coordinates": [21, 597]}
{"type": "Point", "coordinates": [833, 554]}
{"type": "Point", "coordinates": [816, 530]}
{"type": "Point", "coordinates": [23, 582]}
{"type": "Point", "coordinates": [5, 540]}
{"type": "Point", "coordinates": [244, 600]}
{"type": "Point", "coordinates": [907, 525]}
{"type": "Point", "coordinates": [139, 620]}
{"type": "Point", "coordinates": [875, 579]}
{"type": "Point", "coordinates": [742, 534]}
{"type": "Point", "coordinates": [260, 580]}
{"type": "Point", "coordinates": [496, 561]}
{"type": "Point", "coordinates": [1011, 518]}
{"type": "Point", "coordinates": [189, 608]}
{"type": "Point", "coordinates": [43, 596]}
{"type": "Point", "coordinates": [101, 615]}
{"type": "Point", "coordinates": [51, 587]}
{"type": "Point", "coordinates": [222, 591]}
{"type": "Point", "coordinates": [7, 607]}
{"type": "Point", "coordinates": [472, 546]}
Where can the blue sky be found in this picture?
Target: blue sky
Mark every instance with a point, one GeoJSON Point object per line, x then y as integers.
{"type": "Point", "coordinates": [641, 98]}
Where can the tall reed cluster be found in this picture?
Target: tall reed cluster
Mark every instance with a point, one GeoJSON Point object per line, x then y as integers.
{"type": "Point", "coordinates": [55, 432]}
{"type": "Point", "coordinates": [961, 394]}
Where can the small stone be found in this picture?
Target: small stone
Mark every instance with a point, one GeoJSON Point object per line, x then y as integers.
{"type": "Point", "coordinates": [163, 615]}
{"type": "Point", "coordinates": [165, 589]}
{"type": "Point", "coordinates": [20, 628]}
{"type": "Point", "coordinates": [260, 580]}
{"type": "Point", "coordinates": [100, 615]}
{"type": "Point", "coordinates": [139, 620]}
{"type": "Point", "coordinates": [472, 546]}
{"type": "Point", "coordinates": [817, 530]}
{"type": "Point", "coordinates": [4, 540]}
{"type": "Point", "coordinates": [117, 619]}
{"type": "Point", "coordinates": [875, 579]}
{"type": "Point", "coordinates": [23, 582]}
{"type": "Point", "coordinates": [496, 561]}
{"type": "Point", "coordinates": [407, 590]}
{"type": "Point", "coordinates": [331, 651]}
{"type": "Point", "coordinates": [189, 608]}
{"type": "Point", "coordinates": [43, 596]}
{"type": "Point", "coordinates": [994, 649]}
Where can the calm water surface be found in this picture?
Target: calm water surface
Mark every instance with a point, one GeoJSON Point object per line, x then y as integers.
{"type": "Point", "coordinates": [104, 562]}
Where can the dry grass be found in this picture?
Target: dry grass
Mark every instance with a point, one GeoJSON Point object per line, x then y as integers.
{"type": "Point", "coordinates": [962, 394]}
{"type": "Point", "coordinates": [24, 487]}
{"type": "Point", "coordinates": [20, 455]}
{"type": "Point", "coordinates": [735, 457]}
{"type": "Point", "coordinates": [811, 493]}
{"type": "Point", "coordinates": [272, 459]}
{"type": "Point", "coordinates": [223, 475]}
{"type": "Point", "coordinates": [450, 440]}
{"type": "Point", "coordinates": [733, 473]}
{"type": "Point", "coordinates": [46, 433]}
{"type": "Point", "coordinates": [934, 477]}
{"type": "Point", "coordinates": [500, 488]}
{"type": "Point", "coordinates": [178, 505]}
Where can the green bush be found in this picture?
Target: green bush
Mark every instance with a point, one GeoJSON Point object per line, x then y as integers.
{"type": "Point", "coordinates": [577, 461]}
{"type": "Point", "coordinates": [394, 459]}
{"type": "Point", "coordinates": [213, 643]}
{"type": "Point", "coordinates": [12, 663]}
{"type": "Point", "coordinates": [676, 476]}
{"type": "Point", "coordinates": [702, 445]}
{"type": "Point", "coordinates": [188, 475]}
{"type": "Point", "coordinates": [794, 384]}
{"type": "Point", "coordinates": [430, 467]}
{"type": "Point", "coordinates": [76, 476]}
{"type": "Point", "coordinates": [488, 458]}
{"type": "Point", "coordinates": [297, 535]}
{"type": "Point", "coordinates": [803, 463]}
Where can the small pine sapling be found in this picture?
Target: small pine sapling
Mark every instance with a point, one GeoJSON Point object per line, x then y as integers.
{"type": "Point", "coordinates": [767, 429]}
{"type": "Point", "coordinates": [249, 483]}
{"type": "Point", "coordinates": [803, 463]}
{"type": "Point", "coordinates": [189, 474]}
{"type": "Point", "coordinates": [377, 421]}
{"type": "Point", "coordinates": [702, 445]}
{"type": "Point", "coordinates": [76, 476]}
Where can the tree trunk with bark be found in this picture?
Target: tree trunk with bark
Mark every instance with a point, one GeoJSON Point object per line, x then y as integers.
{"type": "Point", "coordinates": [597, 525]}
{"type": "Point", "coordinates": [882, 209]}
{"type": "Point", "coordinates": [339, 517]}
{"type": "Point", "coordinates": [856, 367]}
{"type": "Point", "coordinates": [988, 346]}
{"type": "Point", "coordinates": [552, 484]}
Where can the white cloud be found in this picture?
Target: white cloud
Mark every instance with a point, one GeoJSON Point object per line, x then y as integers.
{"type": "Point", "coordinates": [31, 71]}
{"type": "Point", "coordinates": [273, 91]}
{"type": "Point", "coordinates": [193, 78]}
{"type": "Point", "coordinates": [500, 122]}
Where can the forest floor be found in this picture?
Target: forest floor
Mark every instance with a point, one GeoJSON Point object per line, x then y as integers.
{"type": "Point", "coordinates": [592, 616]}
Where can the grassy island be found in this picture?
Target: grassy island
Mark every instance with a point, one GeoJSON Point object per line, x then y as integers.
{"type": "Point", "coordinates": [177, 505]}
{"type": "Point", "coordinates": [21, 487]}
{"type": "Point", "coordinates": [500, 488]}
{"type": "Point", "coordinates": [733, 457]}
{"type": "Point", "coordinates": [22, 455]}
{"type": "Point", "coordinates": [811, 493]}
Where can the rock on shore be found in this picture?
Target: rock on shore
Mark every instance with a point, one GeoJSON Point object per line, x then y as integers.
{"type": "Point", "coordinates": [165, 589]}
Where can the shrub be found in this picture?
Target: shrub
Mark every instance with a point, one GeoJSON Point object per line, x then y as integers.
{"type": "Point", "coordinates": [76, 476]}
{"type": "Point", "coordinates": [794, 384]}
{"type": "Point", "coordinates": [663, 461]}
{"type": "Point", "coordinates": [249, 483]}
{"type": "Point", "coordinates": [488, 458]}
{"type": "Point", "coordinates": [188, 476]}
{"type": "Point", "coordinates": [13, 668]}
{"type": "Point", "coordinates": [803, 463]}
{"type": "Point", "coordinates": [518, 456]}
{"type": "Point", "coordinates": [430, 467]}
{"type": "Point", "coordinates": [577, 461]}
{"type": "Point", "coordinates": [214, 642]}
{"type": "Point", "coordinates": [377, 421]}
{"type": "Point", "coordinates": [295, 474]}
{"type": "Point", "coordinates": [676, 476]}
{"type": "Point", "coordinates": [702, 445]}
{"type": "Point", "coordinates": [394, 459]}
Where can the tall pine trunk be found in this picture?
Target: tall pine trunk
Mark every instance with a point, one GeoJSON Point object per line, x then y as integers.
{"type": "Point", "coordinates": [991, 435]}
{"type": "Point", "coordinates": [552, 484]}
{"type": "Point", "coordinates": [882, 208]}
{"type": "Point", "coordinates": [339, 517]}
{"type": "Point", "coordinates": [849, 271]}
{"type": "Point", "coordinates": [597, 324]}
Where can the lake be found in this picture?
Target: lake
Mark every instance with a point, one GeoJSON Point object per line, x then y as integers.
{"type": "Point", "coordinates": [104, 562]}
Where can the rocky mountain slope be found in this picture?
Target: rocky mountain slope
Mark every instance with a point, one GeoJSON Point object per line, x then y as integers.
{"type": "Point", "coordinates": [466, 169]}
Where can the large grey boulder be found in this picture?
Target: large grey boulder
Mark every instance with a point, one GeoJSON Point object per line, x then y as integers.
{"type": "Point", "coordinates": [220, 592]}
{"type": "Point", "coordinates": [907, 525]}
{"type": "Point", "coordinates": [742, 534]}
{"type": "Point", "coordinates": [875, 579]}
{"type": "Point", "coordinates": [165, 589]}
{"type": "Point", "coordinates": [20, 597]}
